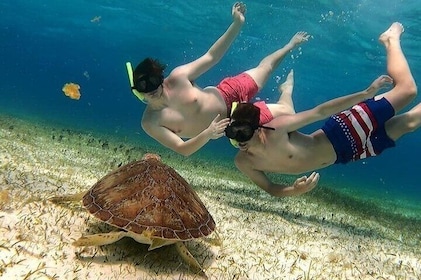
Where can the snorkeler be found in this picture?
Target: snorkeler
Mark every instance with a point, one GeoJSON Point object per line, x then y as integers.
{"type": "Point", "coordinates": [365, 130]}
{"type": "Point", "coordinates": [179, 109]}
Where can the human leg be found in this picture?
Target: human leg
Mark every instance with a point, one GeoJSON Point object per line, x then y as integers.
{"type": "Point", "coordinates": [404, 123]}
{"type": "Point", "coordinates": [285, 89]}
{"type": "Point", "coordinates": [261, 73]}
{"type": "Point", "coordinates": [405, 88]}
{"type": "Point", "coordinates": [285, 105]}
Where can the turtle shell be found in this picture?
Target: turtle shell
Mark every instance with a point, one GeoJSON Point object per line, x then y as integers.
{"type": "Point", "coordinates": [147, 195]}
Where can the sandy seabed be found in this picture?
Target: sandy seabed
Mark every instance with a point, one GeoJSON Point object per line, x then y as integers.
{"type": "Point", "coordinates": [257, 237]}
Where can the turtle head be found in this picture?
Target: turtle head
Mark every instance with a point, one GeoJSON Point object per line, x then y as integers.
{"type": "Point", "coordinates": [149, 156]}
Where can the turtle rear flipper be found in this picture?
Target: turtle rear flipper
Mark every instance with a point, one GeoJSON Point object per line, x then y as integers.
{"type": "Point", "coordinates": [100, 239]}
{"type": "Point", "coordinates": [67, 198]}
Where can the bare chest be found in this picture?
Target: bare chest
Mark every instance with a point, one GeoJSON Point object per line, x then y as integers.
{"type": "Point", "coordinates": [294, 154]}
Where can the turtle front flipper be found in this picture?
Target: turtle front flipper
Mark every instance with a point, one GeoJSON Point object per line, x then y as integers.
{"type": "Point", "coordinates": [188, 257]}
{"type": "Point", "coordinates": [158, 242]}
{"type": "Point", "coordinates": [100, 239]}
{"type": "Point", "coordinates": [66, 198]}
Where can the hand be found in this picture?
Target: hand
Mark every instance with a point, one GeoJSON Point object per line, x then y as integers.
{"type": "Point", "coordinates": [305, 184]}
{"type": "Point", "coordinates": [381, 82]}
{"type": "Point", "coordinates": [299, 38]}
{"type": "Point", "coordinates": [238, 11]}
{"type": "Point", "coordinates": [216, 128]}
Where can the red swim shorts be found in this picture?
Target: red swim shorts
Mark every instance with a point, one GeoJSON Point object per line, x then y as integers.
{"type": "Point", "coordinates": [242, 88]}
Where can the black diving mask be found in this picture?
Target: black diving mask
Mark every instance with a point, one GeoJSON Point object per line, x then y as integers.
{"type": "Point", "coordinates": [242, 131]}
{"type": "Point", "coordinates": [146, 83]}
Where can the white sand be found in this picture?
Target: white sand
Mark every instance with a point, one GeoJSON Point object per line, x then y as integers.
{"type": "Point", "coordinates": [260, 237]}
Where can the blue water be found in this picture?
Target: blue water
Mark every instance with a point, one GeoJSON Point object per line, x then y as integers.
{"type": "Point", "coordinates": [45, 44]}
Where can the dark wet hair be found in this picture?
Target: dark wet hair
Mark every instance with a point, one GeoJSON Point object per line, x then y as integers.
{"type": "Point", "coordinates": [247, 112]}
{"type": "Point", "coordinates": [148, 75]}
{"type": "Point", "coordinates": [245, 121]}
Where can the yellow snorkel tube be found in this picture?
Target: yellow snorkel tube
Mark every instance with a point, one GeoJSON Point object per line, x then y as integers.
{"type": "Point", "coordinates": [233, 107]}
{"type": "Point", "coordinates": [139, 95]}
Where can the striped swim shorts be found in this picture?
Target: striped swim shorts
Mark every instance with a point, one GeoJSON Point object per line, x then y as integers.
{"type": "Point", "coordinates": [359, 132]}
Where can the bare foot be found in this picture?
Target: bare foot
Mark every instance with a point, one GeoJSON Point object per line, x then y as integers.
{"type": "Point", "coordinates": [288, 85]}
{"type": "Point", "coordinates": [299, 37]}
{"type": "Point", "coordinates": [393, 33]}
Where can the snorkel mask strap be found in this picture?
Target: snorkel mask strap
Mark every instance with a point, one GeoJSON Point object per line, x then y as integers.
{"type": "Point", "coordinates": [233, 107]}
{"type": "Point", "coordinates": [139, 95]}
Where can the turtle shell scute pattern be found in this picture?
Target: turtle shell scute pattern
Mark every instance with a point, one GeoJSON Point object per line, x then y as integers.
{"type": "Point", "coordinates": [149, 196]}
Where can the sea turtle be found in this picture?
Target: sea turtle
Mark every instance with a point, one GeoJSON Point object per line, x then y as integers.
{"type": "Point", "coordinates": [151, 203]}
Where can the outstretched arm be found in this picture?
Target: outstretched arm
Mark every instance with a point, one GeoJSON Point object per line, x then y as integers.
{"type": "Point", "coordinates": [324, 110]}
{"type": "Point", "coordinates": [171, 140]}
{"type": "Point", "coordinates": [199, 66]}
{"type": "Point", "coordinates": [301, 185]}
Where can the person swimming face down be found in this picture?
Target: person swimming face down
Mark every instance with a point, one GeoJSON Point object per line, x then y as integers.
{"type": "Point", "coordinates": [244, 122]}
{"type": "Point", "coordinates": [148, 77]}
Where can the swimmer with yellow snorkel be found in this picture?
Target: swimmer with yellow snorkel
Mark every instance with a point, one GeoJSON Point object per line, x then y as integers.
{"type": "Point", "coordinates": [178, 109]}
